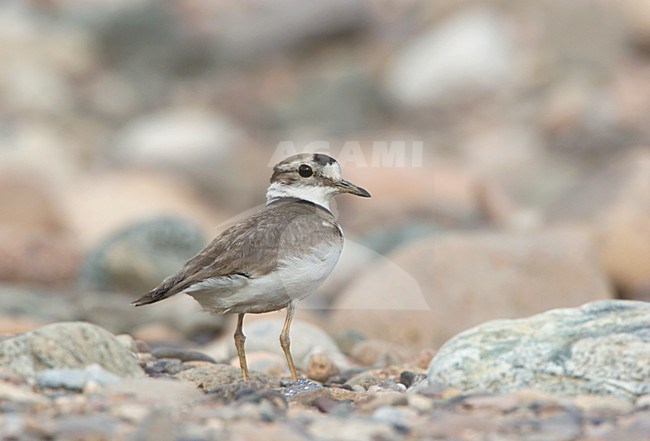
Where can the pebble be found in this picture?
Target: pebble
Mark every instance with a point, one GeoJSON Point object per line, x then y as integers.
{"type": "Point", "coordinates": [364, 380]}
{"type": "Point", "coordinates": [161, 367]}
{"type": "Point", "coordinates": [643, 402]}
{"type": "Point", "coordinates": [150, 391]}
{"type": "Point", "coordinates": [17, 394]}
{"type": "Point", "coordinates": [382, 399]}
{"type": "Point", "coordinates": [302, 384]}
{"type": "Point", "coordinates": [408, 378]}
{"type": "Point", "coordinates": [398, 416]}
{"type": "Point", "coordinates": [210, 376]}
{"type": "Point", "coordinates": [324, 399]}
{"type": "Point", "coordinates": [75, 379]}
{"type": "Point", "coordinates": [320, 367]}
{"type": "Point", "coordinates": [377, 353]}
{"type": "Point", "coordinates": [387, 385]}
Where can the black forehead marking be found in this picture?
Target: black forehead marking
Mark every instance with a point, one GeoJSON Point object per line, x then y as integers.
{"type": "Point", "coordinates": [323, 159]}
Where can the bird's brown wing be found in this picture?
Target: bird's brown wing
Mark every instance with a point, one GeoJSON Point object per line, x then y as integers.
{"type": "Point", "coordinates": [252, 247]}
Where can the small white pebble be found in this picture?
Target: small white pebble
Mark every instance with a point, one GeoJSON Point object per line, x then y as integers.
{"type": "Point", "coordinates": [643, 402]}
{"type": "Point", "coordinates": [419, 402]}
{"type": "Point", "coordinates": [92, 387]}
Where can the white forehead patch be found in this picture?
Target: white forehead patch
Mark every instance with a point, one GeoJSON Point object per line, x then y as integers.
{"type": "Point", "coordinates": [332, 171]}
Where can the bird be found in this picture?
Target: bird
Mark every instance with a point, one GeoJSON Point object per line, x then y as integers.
{"type": "Point", "coordinates": [273, 258]}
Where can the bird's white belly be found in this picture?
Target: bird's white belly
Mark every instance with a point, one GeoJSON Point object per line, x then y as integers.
{"type": "Point", "coordinates": [294, 279]}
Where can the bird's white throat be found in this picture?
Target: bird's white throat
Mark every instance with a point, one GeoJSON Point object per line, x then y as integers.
{"type": "Point", "coordinates": [320, 195]}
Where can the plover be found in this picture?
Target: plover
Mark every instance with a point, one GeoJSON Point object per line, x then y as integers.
{"type": "Point", "coordinates": [273, 258]}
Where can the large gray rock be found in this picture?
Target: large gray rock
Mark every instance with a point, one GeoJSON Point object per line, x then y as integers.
{"type": "Point", "coordinates": [600, 348]}
{"type": "Point", "coordinates": [67, 345]}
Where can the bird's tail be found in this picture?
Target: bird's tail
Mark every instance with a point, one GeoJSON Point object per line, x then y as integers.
{"type": "Point", "coordinates": [144, 300]}
{"type": "Point", "coordinates": [153, 296]}
{"type": "Point", "coordinates": [171, 286]}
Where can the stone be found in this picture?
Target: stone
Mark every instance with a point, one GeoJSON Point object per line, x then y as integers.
{"type": "Point", "coordinates": [321, 397]}
{"type": "Point", "coordinates": [74, 379]}
{"type": "Point", "coordinates": [165, 367]}
{"type": "Point", "coordinates": [419, 403]}
{"type": "Point", "coordinates": [93, 426]}
{"type": "Point", "coordinates": [136, 258]}
{"type": "Point", "coordinates": [17, 394]}
{"type": "Point", "coordinates": [157, 333]}
{"type": "Point", "coordinates": [643, 402]}
{"type": "Point", "coordinates": [614, 202]}
{"type": "Point", "coordinates": [334, 100]}
{"type": "Point", "coordinates": [158, 423]}
{"type": "Point", "coordinates": [636, 428]}
{"type": "Point", "coordinates": [469, 52]}
{"type": "Point", "coordinates": [455, 281]}
{"type": "Point", "coordinates": [159, 391]}
{"type": "Point", "coordinates": [128, 342]}
{"type": "Point", "coordinates": [364, 380]}
{"type": "Point", "coordinates": [286, 25]}
{"type": "Point", "coordinates": [377, 353]}
{"type": "Point", "coordinates": [601, 348]}
{"type": "Point", "coordinates": [398, 416]}
{"type": "Point", "coordinates": [347, 339]}
{"type": "Point", "coordinates": [604, 405]}
{"type": "Point", "coordinates": [351, 429]}
{"type": "Point", "coordinates": [409, 378]}
{"type": "Point", "coordinates": [320, 368]}
{"type": "Point", "coordinates": [387, 385]}
{"type": "Point", "coordinates": [176, 138]}
{"type": "Point", "coordinates": [300, 386]}
{"type": "Point", "coordinates": [67, 345]}
{"type": "Point", "coordinates": [213, 375]}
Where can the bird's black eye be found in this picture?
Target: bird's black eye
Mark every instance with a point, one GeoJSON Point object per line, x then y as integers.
{"type": "Point", "coordinates": [305, 171]}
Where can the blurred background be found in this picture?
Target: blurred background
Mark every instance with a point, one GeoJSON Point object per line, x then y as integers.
{"type": "Point", "coordinates": [517, 177]}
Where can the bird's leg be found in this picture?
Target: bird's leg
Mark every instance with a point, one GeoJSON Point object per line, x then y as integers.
{"type": "Point", "coordinates": [240, 338]}
{"type": "Point", "coordinates": [285, 341]}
